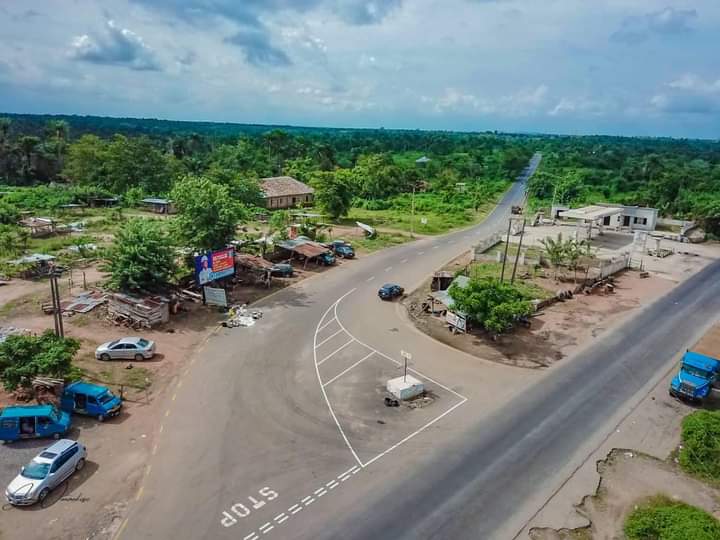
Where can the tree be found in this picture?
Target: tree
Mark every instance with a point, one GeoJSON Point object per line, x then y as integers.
{"type": "Point", "coordinates": [9, 214]}
{"type": "Point", "coordinates": [137, 162]}
{"type": "Point", "coordinates": [279, 221]}
{"type": "Point", "coordinates": [574, 251]}
{"type": "Point", "coordinates": [141, 257]}
{"type": "Point", "coordinates": [28, 145]}
{"type": "Point", "coordinates": [207, 214]}
{"type": "Point", "coordinates": [86, 162]}
{"type": "Point", "coordinates": [24, 357]}
{"type": "Point", "coordinates": [333, 192]}
{"type": "Point", "coordinates": [555, 250]}
{"type": "Point", "coordinates": [491, 303]}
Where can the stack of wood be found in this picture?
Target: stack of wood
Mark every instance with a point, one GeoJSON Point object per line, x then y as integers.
{"type": "Point", "coordinates": [47, 390]}
{"type": "Point", "coordinates": [138, 312]}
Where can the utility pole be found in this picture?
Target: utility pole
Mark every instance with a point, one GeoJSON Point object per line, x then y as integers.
{"type": "Point", "coordinates": [517, 255]}
{"type": "Point", "coordinates": [54, 306]}
{"type": "Point", "coordinates": [507, 243]}
{"type": "Point", "coordinates": [57, 310]}
{"type": "Point", "coordinates": [412, 214]}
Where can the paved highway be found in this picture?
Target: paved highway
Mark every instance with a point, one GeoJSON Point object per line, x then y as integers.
{"type": "Point", "coordinates": [279, 430]}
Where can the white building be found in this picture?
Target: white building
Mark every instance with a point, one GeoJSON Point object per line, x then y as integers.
{"type": "Point", "coordinates": [612, 216]}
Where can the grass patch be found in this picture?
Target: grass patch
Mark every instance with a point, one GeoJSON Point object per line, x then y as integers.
{"type": "Point", "coordinates": [530, 252]}
{"type": "Point", "coordinates": [493, 270]}
{"type": "Point", "coordinates": [137, 377]}
{"type": "Point", "coordinates": [380, 241]}
{"type": "Point", "coordinates": [662, 518]}
{"type": "Point", "coordinates": [700, 452]}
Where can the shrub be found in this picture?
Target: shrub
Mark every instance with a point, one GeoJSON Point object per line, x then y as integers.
{"type": "Point", "coordinates": [24, 357]}
{"type": "Point", "coordinates": [662, 518]}
{"type": "Point", "coordinates": [700, 453]}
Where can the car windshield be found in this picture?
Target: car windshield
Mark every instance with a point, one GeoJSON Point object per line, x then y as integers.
{"type": "Point", "coordinates": [696, 371]}
{"type": "Point", "coordinates": [35, 470]}
{"type": "Point", "coordinates": [143, 342]}
{"type": "Point", "coordinates": [107, 397]}
{"type": "Point", "coordinates": [112, 343]}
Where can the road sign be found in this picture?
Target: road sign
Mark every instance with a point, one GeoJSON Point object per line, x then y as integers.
{"type": "Point", "coordinates": [406, 355]}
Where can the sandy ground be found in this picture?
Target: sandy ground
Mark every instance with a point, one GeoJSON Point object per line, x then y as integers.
{"type": "Point", "coordinates": [595, 500]}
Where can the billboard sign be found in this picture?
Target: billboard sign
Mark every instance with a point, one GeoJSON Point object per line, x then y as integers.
{"type": "Point", "coordinates": [214, 265]}
{"type": "Point", "coordinates": [215, 297]}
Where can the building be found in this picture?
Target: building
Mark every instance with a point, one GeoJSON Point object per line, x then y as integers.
{"type": "Point", "coordinates": [159, 206]}
{"type": "Point", "coordinates": [612, 216]}
{"type": "Point", "coordinates": [285, 192]}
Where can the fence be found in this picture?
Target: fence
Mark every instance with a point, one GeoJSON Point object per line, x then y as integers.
{"type": "Point", "coordinates": [491, 241]}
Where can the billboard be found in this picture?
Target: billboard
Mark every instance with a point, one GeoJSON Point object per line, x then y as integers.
{"type": "Point", "coordinates": [214, 265]}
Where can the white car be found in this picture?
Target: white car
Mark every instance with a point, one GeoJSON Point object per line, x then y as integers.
{"type": "Point", "coordinates": [45, 472]}
{"type": "Point", "coordinates": [130, 348]}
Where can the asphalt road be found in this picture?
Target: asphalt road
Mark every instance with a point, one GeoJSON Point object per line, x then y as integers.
{"type": "Point", "coordinates": [278, 430]}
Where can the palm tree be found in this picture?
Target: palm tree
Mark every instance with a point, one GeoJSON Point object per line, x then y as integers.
{"type": "Point", "coordinates": [58, 131]}
{"type": "Point", "coordinates": [574, 251]}
{"type": "Point", "coordinates": [28, 144]}
{"type": "Point", "coordinates": [555, 250]}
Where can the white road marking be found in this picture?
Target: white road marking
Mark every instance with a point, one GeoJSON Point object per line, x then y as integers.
{"type": "Point", "coordinates": [320, 492]}
{"type": "Point", "coordinates": [296, 510]}
{"type": "Point", "coordinates": [403, 261]}
{"type": "Point", "coordinates": [294, 507]}
{"type": "Point", "coordinates": [310, 501]}
{"type": "Point", "coordinates": [279, 517]}
{"type": "Point", "coordinates": [283, 520]}
{"type": "Point", "coordinates": [343, 478]}
{"type": "Point", "coordinates": [336, 377]}
{"type": "Point", "coordinates": [270, 528]}
{"type": "Point", "coordinates": [370, 279]}
{"type": "Point", "coordinates": [326, 324]}
{"type": "Point", "coordinates": [332, 484]}
{"type": "Point", "coordinates": [251, 536]}
{"type": "Point", "coordinates": [435, 247]}
{"type": "Point", "coordinates": [388, 268]}
{"type": "Point", "coordinates": [324, 341]}
{"type": "Point", "coordinates": [335, 352]}
{"type": "Point", "coordinates": [421, 253]}
{"type": "Point", "coordinates": [322, 388]}
{"type": "Point", "coordinates": [265, 528]}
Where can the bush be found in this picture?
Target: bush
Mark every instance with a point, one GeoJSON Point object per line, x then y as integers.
{"type": "Point", "coordinates": [24, 357]}
{"type": "Point", "coordinates": [700, 453]}
{"type": "Point", "coordinates": [662, 518]}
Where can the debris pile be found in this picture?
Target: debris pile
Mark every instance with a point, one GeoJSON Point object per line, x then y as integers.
{"type": "Point", "coordinates": [138, 312]}
{"type": "Point", "coordinates": [240, 316]}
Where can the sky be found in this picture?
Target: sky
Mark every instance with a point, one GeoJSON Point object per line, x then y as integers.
{"type": "Point", "coordinates": [625, 67]}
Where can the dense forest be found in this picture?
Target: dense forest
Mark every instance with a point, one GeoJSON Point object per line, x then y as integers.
{"type": "Point", "coordinates": [373, 169]}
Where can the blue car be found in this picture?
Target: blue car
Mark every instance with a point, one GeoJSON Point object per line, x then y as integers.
{"type": "Point", "coordinates": [698, 373]}
{"type": "Point", "coordinates": [390, 291]}
{"type": "Point", "coordinates": [32, 421]}
{"type": "Point", "coordinates": [90, 399]}
{"type": "Point", "coordinates": [342, 249]}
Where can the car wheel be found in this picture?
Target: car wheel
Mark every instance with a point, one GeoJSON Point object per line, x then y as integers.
{"type": "Point", "coordinates": [80, 464]}
{"type": "Point", "coordinates": [43, 494]}
{"type": "Point", "coordinates": [139, 357]}
{"type": "Point", "coordinates": [101, 417]}
{"type": "Point", "coordinates": [105, 357]}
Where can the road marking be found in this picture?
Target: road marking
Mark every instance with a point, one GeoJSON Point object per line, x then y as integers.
{"type": "Point", "coordinates": [279, 517]}
{"type": "Point", "coordinates": [154, 450]}
{"type": "Point", "coordinates": [435, 247]}
{"type": "Point", "coordinates": [336, 377]}
{"type": "Point", "coordinates": [324, 341]}
{"type": "Point", "coordinates": [121, 529]}
{"type": "Point", "coordinates": [139, 493]}
{"type": "Point", "coordinates": [320, 492]}
{"type": "Point", "coordinates": [370, 279]}
{"type": "Point", "coordinates": [161, 429]}
{"type": "Point", "coordinates": [388, 268]}
{"type": "Point", "coordinates": [335, 352]}
{"type": "Point", "coordinates": [251, 536]}
{"type": "Point", "coordinates": [421, 253]}
{"type": "Point", "coordinates": [167, 413]}
{"type": "Point", "coordinates": [307, 501]}
{"type": "Point", "coordinates": [332, 484]}
{"type": "Point", "coordinates": [294, 508]}
{"type": "Point", "coordinates": [179, 385]}
{"type": "Point", "coordinates": [343, 478]}
{"type": "Point", "coordinates": [403, 261]}
{"type": "Point", "coordinates": [174, 396]}
{"type": "Point", "coordinates": [283, 520]}
{"type": "Point", "coordinates": [326, 324]}
{"type": "Point", "coordinates": [147, 470]}
{"type": "Point", "coordinates": [266, 528]}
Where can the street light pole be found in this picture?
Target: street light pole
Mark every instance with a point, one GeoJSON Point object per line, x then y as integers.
{"type": "Point", "coordinates": [420, 162]}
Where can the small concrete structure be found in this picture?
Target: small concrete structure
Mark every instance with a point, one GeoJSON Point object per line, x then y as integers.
{"type": "Point", "coordinates": [159, 206]}
{"type": "Point", "coordinates": [617, 216]}
{"type": "Point", "coordinates": [404, 388]}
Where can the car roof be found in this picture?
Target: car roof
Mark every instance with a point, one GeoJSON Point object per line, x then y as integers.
{"type": "Point", "coordinates": [700, 361]}
{"type": "Point", "coordinates": [133, 339]}
{"type": "Point", "coordinates": [18, 411]}
{"type": "Point", "coordinates": [87, 388]}
{"type": "Point", "coordinates": [59, 447]}
{"type": "Point", "coordinates": [389, 286]}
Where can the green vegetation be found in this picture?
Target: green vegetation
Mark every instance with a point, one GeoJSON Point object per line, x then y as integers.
{"type": "Point", "coordinates": [493, 270]}
{"type": "Point", "coordinates": [679, 177]}
{"type": "Point", "coordinates": [142, 257]}
{"type": "Point", "coordinates": [24, 357]}
{"type": "Point", "coordinates": [491, 303]}
{"type": "Point", "coordinates": [662, 518]}
{"type": "Point", "coordinates": [380, 241]}
{"type": "Point", "coordinates": [700, 452]}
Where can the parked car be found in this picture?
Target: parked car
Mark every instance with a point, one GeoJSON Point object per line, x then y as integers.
{"type": "Point", "coordinates": [341, 248]}
{"type": "Point", "coordinates": [90, 399]}
{"type": "Point", "coordinates": [327, 258]}
{"type": "Point", "coordinates": [45, 472]}
{"type": "Point", "coordinates": [32, 421]}
{"type": "Point", "coordinates": [282, 270]}
{"type": "Point", "coordinates": [131, 348]}
{"type": "Point", "coordinates": [390, 291]}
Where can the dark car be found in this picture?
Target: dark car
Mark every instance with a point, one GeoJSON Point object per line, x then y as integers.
{"type": "Point", "coordinates": [282, 270]}
{"type": "Point", "coordinates": [342, 249]}
{"type": "Point", "coordinates": [390, 291]}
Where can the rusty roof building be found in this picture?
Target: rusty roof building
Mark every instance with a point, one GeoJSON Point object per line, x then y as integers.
{"type": "Point", "coordinates": [285, 192]}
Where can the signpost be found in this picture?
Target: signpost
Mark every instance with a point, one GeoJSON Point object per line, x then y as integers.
{"type": "Point", "coordinates": [407, 357]}
{"type": "Point", "coordinates": [214, 265]}
{"type": "Point", "coordinates": [215, 297]}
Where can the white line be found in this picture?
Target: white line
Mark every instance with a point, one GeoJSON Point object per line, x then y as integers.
{"type": "Point", "coordinates": [283, 520]}
{"type": "Point", "coordinates": [312, 500]}
{"type": "Point", "coordinates": [296, 510]}
{"type": "Point", "coordinates": [370, 279]}
{"type": "Point", "coordinates": [270, 528]}
{"type": "Point", "coordinates": [306, 499]}
{"type": "Point", "coordinates": [343, 478]}
{"type": "Point", "coordinates": [421, 253]}
{"type": "Point", "coordinates": [423, 428]}
{"type": "Point", "coordinates": [249, 536]}
{"type": "Point", "coordinates": [293, 507]}
{"type": "Point", "coordinates": [326, 324]}
{"type": "Point", "coordinates": [403, 261]}
{"type": "Point", "coordinates": [335, 352]}
{"type": "Point", "coordinates": [332, 484]}
{"type": "Point", "coordinates": [322, 388]}
{"type": "Point", "coordinates": [321, 492]}
{"type": "Point", "coordinates": [435, 247]}
{"type": "Point", "coordinates": [336, 377]}
{"type": "Point", "coordinates": [324, 341]}
{"type": "Point", "coordinates": [349, 471]}
{"type": "Point", "coordinates": [268, 524]}
{"type": "Point", "coordinates": [280, 516]}
{"type": "Point", "coordinates": [388, 268]}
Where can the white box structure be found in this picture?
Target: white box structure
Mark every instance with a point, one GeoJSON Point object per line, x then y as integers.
{"type": "Point", "coordinates": [404, 388]}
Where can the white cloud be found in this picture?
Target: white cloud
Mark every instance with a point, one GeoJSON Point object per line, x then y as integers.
{"type": "Point", "coordinates": [690, 94]}
{"type": "Point", "coordinates": [115, 46]}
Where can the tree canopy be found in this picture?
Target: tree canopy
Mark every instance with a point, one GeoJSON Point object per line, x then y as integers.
{"type": "Point", "coordinates": [493, 304]}
{"type": "Point", "coordinates": [24, 357]}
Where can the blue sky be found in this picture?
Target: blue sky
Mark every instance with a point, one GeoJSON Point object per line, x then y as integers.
{"type": "Point", "coordinates": [635, 67]}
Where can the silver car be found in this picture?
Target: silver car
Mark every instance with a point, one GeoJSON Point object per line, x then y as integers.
{"type": "Point", "coordinates": [128, 348]}
{"type": "Point", "coordinates": [45, 472]}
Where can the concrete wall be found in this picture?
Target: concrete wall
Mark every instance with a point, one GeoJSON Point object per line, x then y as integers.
{"type": "Point", "coordinates": [640, 218]}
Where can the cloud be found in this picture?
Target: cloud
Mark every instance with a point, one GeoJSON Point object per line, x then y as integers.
{"type": "Point", "coordinates": [363, 12]}
{"type": "Point", "coordinates": [522, 102]}
{"type": "Point", "coordinates": [115, 47]}
{"type": "Point", "coordinates": [666, 22]}
{"type": "Point", "coordinates": [258, 50]}
{"type": "Point", "coordinates": [690, 94]}
{"type": "Point", "coordinates": [579, 106]}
